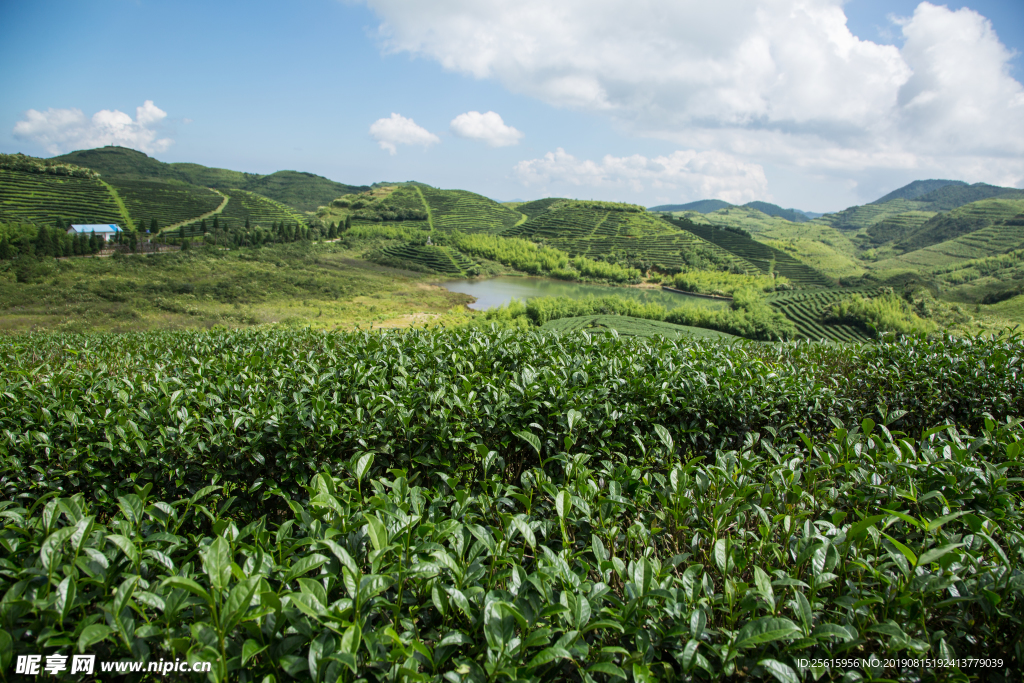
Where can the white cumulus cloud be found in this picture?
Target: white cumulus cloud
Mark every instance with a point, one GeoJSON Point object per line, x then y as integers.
{"type": "Point", "coordinates": [398, 130]}
{"type": "Point", "coordinates": [771, 81]}
{"type": "Point", "coordinates": [688, 174]}
{"type": "Point", "coordinates": [65, 130]}
{"type": "Point", "coordinates": [489, 128]}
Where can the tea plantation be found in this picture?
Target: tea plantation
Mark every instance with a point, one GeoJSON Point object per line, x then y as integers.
{"type": "Point", "coordinates": [167, 203]}
{"type": "Point", "coordinates": [807, 308]}
{"type": "Point", "coordinates": [43, 198]}
{"type": "Point", "coordinates": [477, 505]}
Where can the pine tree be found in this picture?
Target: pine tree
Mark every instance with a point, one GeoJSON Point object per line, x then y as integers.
{"type": "Point", "coordinates": [94, 243]}
{"type": "Point", "coordinates": [348, 222]}
{"type": "Point", "coordinates": [246, 222]}
{"type": "Point", "coordinates": [216, 223]}
{"type": "Point", "coordinates": [202, 226]}
{"type": "Point", "coordinates": [153, 226]}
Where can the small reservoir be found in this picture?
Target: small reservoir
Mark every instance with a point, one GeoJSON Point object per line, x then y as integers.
{"type": "Point", "coordinates": [498, 291]}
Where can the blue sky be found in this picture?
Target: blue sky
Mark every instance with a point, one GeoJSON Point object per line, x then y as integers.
{"type": "Point", "coordinates": [649, 102]}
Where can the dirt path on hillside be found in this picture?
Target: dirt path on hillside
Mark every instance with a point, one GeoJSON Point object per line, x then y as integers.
{"type": "Point", "coordinates": [199, 218]}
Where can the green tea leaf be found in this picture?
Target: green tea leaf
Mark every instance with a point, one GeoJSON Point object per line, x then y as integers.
{"type": "Point", "coordinates": [531, 439]}
{"type": "Point", "coordinates": [92, 634]}
{"type": "Point", "coordinates": [783, 672]}
{"type": "Point", "coordinates": [765, 630]}
{"type": "Point", "coordinates": [377, 532]}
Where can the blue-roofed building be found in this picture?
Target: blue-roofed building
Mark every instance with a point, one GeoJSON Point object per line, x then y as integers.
{"type": "Point", "coordinates": [104, 231]}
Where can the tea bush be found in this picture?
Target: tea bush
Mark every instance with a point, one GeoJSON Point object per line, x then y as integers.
{"type": "Point", "coordinates": [496, 505]}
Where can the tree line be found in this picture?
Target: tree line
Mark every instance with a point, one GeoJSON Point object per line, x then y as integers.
{"type": "Point", "coordinates": [39, 241]}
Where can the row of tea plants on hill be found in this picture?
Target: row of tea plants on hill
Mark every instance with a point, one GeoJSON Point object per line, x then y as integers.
{"type": "Point", "coordinates": [747, 315]}
{"type": "Point", "coordinates": [492, 505]}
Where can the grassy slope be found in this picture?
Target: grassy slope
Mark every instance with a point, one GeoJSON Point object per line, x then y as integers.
{"type": "Point", "coordinates": [314, 284]}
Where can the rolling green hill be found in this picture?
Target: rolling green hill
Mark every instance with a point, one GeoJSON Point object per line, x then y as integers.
{"type": "Point", "coordinates": [300, 191]}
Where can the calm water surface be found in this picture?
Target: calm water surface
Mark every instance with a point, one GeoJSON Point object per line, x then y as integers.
{"type": "Point", "coordinates": [498, 291]}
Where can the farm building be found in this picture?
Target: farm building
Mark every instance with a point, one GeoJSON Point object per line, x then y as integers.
{"type": "Point", "coordinates": [104, 231]}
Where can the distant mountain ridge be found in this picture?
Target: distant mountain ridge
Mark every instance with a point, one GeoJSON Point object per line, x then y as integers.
{"type": "Point", "coordinates": [299, 190]}
{"type": "Point", "coordinates": [917, 189]}
{"type": "Point", "coordinates": [712, 205]}
{"type": "Point", "coordinates": [700, 206]}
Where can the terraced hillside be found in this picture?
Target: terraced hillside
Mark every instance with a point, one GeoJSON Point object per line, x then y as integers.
{"type": "Point", "coordinates": [806, 309]}
{"type": "Point", "coordinates": [467, 211]}
{"type": "Point", "coordinates": [301, 191]}
{"type": "Point", "coordinates": [1002, 237]}
{"type": "Point", "coordinates": [953, 196]}
{"type": "Point", "coordinates": [917, 189]}
{"type": "Point", "coordinates": [988, 280]}
{"type": "Point", "coordinates": [667, 252]}
{"type": "Point", "coordinates": [438, 259]}
{"type": "Point", "coordinates": [257, 209]}
{"type": "Point", "coordinates": [578, 220]}
{"type": "Point", "coordinates": [595, 230]}
{"type": "Point", "coordinates": [167, 202]}
{"type": "Point", "coordinates": [893, 228]}
{"type": "Point", "coordinates": [765, 258]}
{"type": "Point", "coordinates": [537, 207]}
{"type": "Point", "coordinates": [857, 217]}
{"type": "Point", "coordinates": [960, 221]}
{"type": "Point", "coordinates": [42, 198]}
